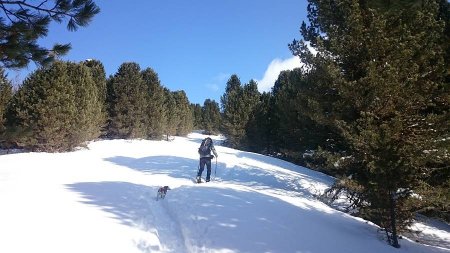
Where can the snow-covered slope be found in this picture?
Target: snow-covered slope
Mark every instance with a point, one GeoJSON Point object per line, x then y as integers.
{"type": "Point", "coordinates": [103, 199]}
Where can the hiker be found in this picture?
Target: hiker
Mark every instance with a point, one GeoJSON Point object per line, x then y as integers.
{"type": "Point", "coordinates": [205, 158]}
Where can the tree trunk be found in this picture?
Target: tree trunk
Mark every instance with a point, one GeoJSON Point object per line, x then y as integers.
{"type": "Point", "coordinates": [393, 221]}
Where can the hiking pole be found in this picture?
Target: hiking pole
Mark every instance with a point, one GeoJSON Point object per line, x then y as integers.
{"type": "Point", "coordinates": [215, 170]}
{"type": "Point", "coordinates": [198, 171]}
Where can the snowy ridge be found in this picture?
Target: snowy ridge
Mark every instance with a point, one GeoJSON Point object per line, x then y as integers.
{"type": "Point", "coordinates": [103, 199]}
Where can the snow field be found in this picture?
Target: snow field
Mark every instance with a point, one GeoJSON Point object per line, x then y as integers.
{"type": "Point", "coordinates": [103, 199]}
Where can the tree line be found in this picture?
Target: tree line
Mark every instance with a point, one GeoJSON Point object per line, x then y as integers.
{"type": "Point", "coordinates": [370, 106]}
{"type": "Point", "coordinates": [61, 106]}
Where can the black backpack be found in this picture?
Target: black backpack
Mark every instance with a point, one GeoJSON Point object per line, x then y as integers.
{"type": "Point", "coordinates": [205, 147]}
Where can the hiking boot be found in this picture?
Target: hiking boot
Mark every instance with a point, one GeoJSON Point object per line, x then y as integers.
{"type": "Point", "coordinates": [199, 180]}
{"type": "Point", "coordinates": [207, 180]}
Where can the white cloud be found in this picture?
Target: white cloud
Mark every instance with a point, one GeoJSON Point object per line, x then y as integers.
{"type": "Point", "coordinates": [222, 77]}
{"type": "Point", "coordinates": [216, 82]}
{"type": "Point", "coordinates": [274, 69]}
{"type": "Point", "coordinates": [212, 87]}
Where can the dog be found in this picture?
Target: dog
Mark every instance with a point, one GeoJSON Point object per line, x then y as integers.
{"type": "Point", "coordinates": [162, 191]}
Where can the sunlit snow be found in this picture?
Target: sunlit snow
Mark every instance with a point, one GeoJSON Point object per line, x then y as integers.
{"type": "Point", "coordinates": [103, 199]}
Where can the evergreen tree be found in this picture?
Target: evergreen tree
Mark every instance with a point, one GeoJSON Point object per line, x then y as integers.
{"type": "Point", "coordinates": [128, 96]}
{"type": "Point", "coordinates": [110, 98]}
{"type": "Point", "coordinates": [55, 108]}
{"type": "Point", "coordinates": [185, 120]}
{"type": "Point", "coordinates": [155, 110]}
{"type": "Point", "coordinates": [259, 130]}
{"type": "Point", "coordinates": [211, 117]}
{"type": "Point", "coordinates": [197, 114]}
{"type": "Point", "coordinates": [89, 104]}
{"type": "Point", "coordinates": [392, 6]}
{"type": "Point", "coordinates": [172, 117]}
{"type": "Point", "coordinates": [43, 110]}
{"type": "Point", "coordinates": [300, 108]}
{"type": "Point", "coordinates": [249, 101]}
{"type": "Point", "coordinates": [238, 104]}
{"type": "Point", "coordinates": [231, 111]}
{"type": "Point", "coordinates": [99, 78]}
{"type": "Point", "coordinates": [6, 93]}
{"type": "Point", "coordinates": [435, 188]}
{"type": "Point", "coordinates": [24, 23]}
{"type": "Point", "coordinates": [285, 112]}
{"type": "Point", "coordinates": [386, 71]}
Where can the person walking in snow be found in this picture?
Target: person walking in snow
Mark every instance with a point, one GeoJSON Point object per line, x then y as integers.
{"type": "Point", "coordinates": [205, 158]}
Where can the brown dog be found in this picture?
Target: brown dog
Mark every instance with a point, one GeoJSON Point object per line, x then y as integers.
{"type": "Point", "coordinates": [162, 191]}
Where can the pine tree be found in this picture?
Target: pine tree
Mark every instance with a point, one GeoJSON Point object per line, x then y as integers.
{"type": "Point", "coordinates": [435, 188]}
{"type": "Point", "coordinates": [211, 117]}
{"type": "Point", "coordinates": [55, 108]}
{"type": "Point", "coordinates": [259, 130]}
{"type": "Point", "coordinates": [249, 101]}
{"type": "Point", "coordinates": [43, 110]}
{"type": "Point", "coordinates": [285, 111]}
{"type": "Point", "coordinates": [185, 120]}
{"type": "Point", "coordinates": [387, 73]}
{"type": "Point", "coordinates": [155, 110]}
{"type": "Point", "coordinates": [23, 23]}
{"type": "Point", "coordinates": [99, 78]}
{"type": "Point", "coordinates": [171, 114]}
{"type": "Point", "coordinates": [238, 104]}
{"type": "Point", "coordinates": [231, 110]}
{"type": "Point", "coordinates": [89, 102]}
{"type": "Point", "coordinates": [197, 114]}
{"type": "Point", "coordinates": [6, 93]}
{"type": "Point", "coordinates": [128, 96]}
{"type": "Point", "coordinates": [110, 98]}
{"type": "Point", "coordinates": [299, 108]}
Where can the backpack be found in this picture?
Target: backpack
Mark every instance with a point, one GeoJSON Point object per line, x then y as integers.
{"type": "Point", "coordinates": [205, 147]}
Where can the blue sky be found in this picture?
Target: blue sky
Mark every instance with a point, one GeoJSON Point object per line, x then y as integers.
{"type": "Point", "coordinates": [193, 45]}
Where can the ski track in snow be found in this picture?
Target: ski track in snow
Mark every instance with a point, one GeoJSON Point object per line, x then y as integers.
{"type": "Point", "coordinates": [167, 227]}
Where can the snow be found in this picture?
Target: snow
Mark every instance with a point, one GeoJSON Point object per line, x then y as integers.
{"type": "Point", "coordinates": [103, 199]}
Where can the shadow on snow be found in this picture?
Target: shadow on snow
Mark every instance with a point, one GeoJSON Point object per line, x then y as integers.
{"type": "Point", "coordinates": [223, 219]}
{"type": "Point", "coordinates": [247, 174]}
{"type": "Point", "coordinates": [173, 166]}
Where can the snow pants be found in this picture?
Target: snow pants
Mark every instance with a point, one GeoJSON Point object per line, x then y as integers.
{"type": "Point", "coordinates": [205, 161]}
